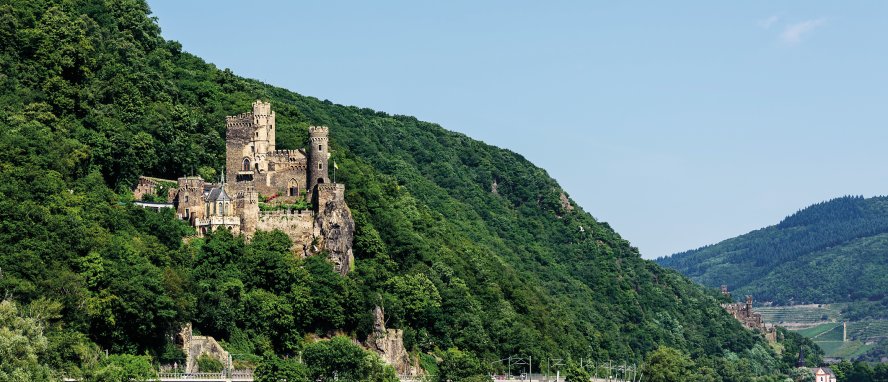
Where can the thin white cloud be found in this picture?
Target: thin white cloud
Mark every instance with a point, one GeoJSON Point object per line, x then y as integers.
{"type": "Point", "coordinates": [768, 22]}
{"type": "Point", "coordinates": [793, 33]}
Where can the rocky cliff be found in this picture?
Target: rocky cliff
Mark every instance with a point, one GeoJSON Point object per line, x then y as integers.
{"type": "Point", "coordinates": [389, 344]}
{"type": "Point", "coordinates": [337, 227]}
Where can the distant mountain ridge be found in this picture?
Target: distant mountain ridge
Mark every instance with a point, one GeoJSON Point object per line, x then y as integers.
{"type": "Point", "coordinates": [833, 251]}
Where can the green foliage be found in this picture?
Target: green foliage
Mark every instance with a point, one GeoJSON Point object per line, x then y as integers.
{"type": "Point", "coordinates": [793, 343]}
{"type": "Point", "coordinates": [123, 367]}
{"type": "Point", "coordinates": [575, 373]}
{"type": "Point", "coordinates": [273, 369]}
{"type": "Point", "coordinates": [341, 359]}
{"type": "Point", "coordinates": [300, 205]}
{"type": "Point", "coordinates": [22, 343]}
{"type": "Point", "coordinates": [207, 364]}
{"type": "Point", "coordinates": [801, 375]}
{"type": "Point", "coordinates": [457, 365]}
{"type": "Point", "coordinates": [667, 364]}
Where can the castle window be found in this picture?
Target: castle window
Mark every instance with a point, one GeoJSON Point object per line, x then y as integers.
{"type": "Point", "coordinates": [246, 165]}
{"type": "Point", "coordinates": [320, 166]}
{"type": "Point", "coordinates": [320, 148]}
{"type": "Point", "coordinates": [186, 199]}
{"type": "Point", "coordinates": [292, 188]}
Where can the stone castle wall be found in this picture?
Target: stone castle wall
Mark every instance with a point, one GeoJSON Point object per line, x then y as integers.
{"type": "Point", "coordinates": [298, 226]}
{"type": "Point", "coordinates": [149, 186]}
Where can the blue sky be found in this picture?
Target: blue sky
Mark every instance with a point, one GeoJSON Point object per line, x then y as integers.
{"type": "Point", "coordinates": [679, 124]}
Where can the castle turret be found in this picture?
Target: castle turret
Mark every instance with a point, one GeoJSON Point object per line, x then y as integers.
{"type": "Point", "coordinates": [318, 156]}
{"type": "Point", "coordinates": [263, 125]}
{"type": "Point", "coordinates": [189, 198]}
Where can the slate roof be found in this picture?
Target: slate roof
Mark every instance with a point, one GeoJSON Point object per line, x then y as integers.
{"type": "Point", "coordinates": [218, 195]}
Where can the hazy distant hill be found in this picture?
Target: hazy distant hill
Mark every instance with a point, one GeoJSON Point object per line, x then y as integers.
{"type": "Point", "coordinates": [834, 251]}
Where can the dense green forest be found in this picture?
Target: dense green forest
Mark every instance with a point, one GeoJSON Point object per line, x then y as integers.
{"type": "Point", "coordinates": [834, 251]}
{"type": "Point", "coordinates": [842, 244]}
{"type": "Point", "coordinates": [92, 96]}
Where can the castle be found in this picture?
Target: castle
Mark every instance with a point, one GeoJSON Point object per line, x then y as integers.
{"type": "Point", "coordinates": [748, 318]}
{"type": "Point", "coordinates": [266, 189]}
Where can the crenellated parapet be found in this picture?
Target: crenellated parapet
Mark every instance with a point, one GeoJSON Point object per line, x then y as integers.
{"type": "Point", "coordinates": [243, 120]}
{"type": "Point", "coordinates": [318, 131]}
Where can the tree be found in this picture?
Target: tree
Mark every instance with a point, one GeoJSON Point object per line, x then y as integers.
{"type": "Point", "coordinates": [667, 365]}
{"type": "Point", "coordinates": [21, 344]}
{"type": "Point", "coordinates": [418, 297]}
{"type": "Point", "coordinates": [575, 373]}
{"type": "Point", "coordinates": [274, 369]}
{"type": "Point", "coordinates": [457, 365]}
{"type": "Point", "coordinates": [802, 374]}
{"type": "Point", "coordinates": [861, 372]}
{"type": "Point", "coordinates": [341, 359]}
{"type": "Point", "coordinates": [123, 367]}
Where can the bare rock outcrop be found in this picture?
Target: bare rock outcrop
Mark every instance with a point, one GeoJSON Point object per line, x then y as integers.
{"type": "Point", "coordinates": [196, 346]}
{"type": "Point", "coordinates": [389, 344]}
{"type": "Point", "coordinates": [337, 227]}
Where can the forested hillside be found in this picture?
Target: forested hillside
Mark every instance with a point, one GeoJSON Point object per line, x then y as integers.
{"type": "Point", "coordinates": [835, 251]}
{"type": "Point", "coordinates": [467, 246]}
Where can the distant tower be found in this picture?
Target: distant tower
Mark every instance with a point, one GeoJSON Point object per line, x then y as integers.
{"type": "Point", "coordinates": [318, 155]}
{"type": "Point", "coordinates": [724, 290]}
{"type": "Point", "coordinates": [748, 306]}
{"type": "Point", "coordinates": [844, 331]}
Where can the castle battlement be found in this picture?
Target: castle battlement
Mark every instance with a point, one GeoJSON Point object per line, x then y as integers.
{"type": "Point", "coordinates": [331, 187]}
{"type": "Point", "coordinates": [318, 130]}
{"type": "Point", "coordinates": [262, 108]}
{"type": "Point", "coordinates": [283, 153]}
{"type": "Point", "coordinates": [286, 213]}
{"type": "Point", "coordinates": [190, 182]}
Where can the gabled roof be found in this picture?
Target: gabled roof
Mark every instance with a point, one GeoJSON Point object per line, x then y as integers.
{"type": "Point", "coordinates": [218, 195]}
{"type": "Point", "coordinates": [825, 370]}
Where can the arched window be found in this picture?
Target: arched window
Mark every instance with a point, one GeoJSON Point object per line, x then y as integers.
{"type": "Point", "coordinates": [320, 180]}
{"type": "Point", "coordinates": [292, 188]}
{"type": "Point", "coordinates": [246, 166]}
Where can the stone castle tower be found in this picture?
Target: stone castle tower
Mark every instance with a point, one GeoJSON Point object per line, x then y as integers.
{"type": "Point", "coordinates": [319, 156]}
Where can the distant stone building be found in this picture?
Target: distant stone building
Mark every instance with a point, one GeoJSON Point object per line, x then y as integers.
{"type": "Point", "coordinates": [744, 313]}
{"type": "Point", "coordinates": [263, 188]}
